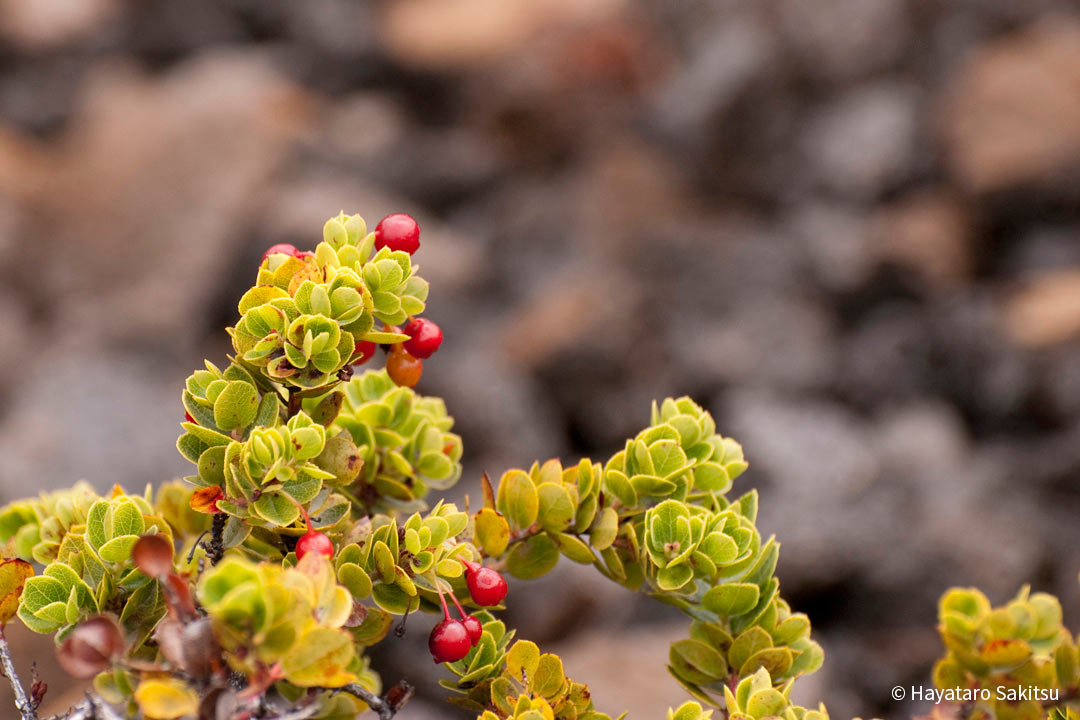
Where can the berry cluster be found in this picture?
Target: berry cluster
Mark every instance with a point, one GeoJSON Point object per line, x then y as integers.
{"type": "Point", "coordinates": [451, 639]}
{"type": "Point", "coordinates": [404, 364]}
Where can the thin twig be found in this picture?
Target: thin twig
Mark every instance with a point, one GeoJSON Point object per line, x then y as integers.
{"type": "Point", "coordinates": [301, 714]}
{"type": "Point", "coordinates": [78, 711]}
{"type": "Point", "coordinates": [22, 702]}
{"type": "Point", "coordinates": [386, 706]}
{"type": "Point", "coordinates": [101, 709]}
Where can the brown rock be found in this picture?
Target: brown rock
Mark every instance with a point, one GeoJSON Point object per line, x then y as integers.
{"type": "Point", "coordinates": [625, 669]}
{"type": "Point", "coordinates": [1045, 313]}
{"type": "Point", "coordinates": [50, 23]}
{"type": "Point", "coordinates": [465, 33]}
{"type": "Point", "coordinates": [928, 232]}
{"type": "Point", "coordinates": [1011, 114]}
{"type": "Point", "coordinates": [164, 174]}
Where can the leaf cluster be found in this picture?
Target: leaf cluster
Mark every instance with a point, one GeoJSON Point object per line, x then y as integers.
{"type": "Point", "coordinates": [1020, 644]}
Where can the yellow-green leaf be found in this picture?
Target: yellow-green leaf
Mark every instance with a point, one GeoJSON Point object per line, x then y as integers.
{"type": "Point", "coordinates": [320, 659]}
{"type": "Point", "coordinates": [492, 532]}
{"type": "Point", "coordinates": [166, 699]}
{"type": "Point", "coordinates": [517, 500]}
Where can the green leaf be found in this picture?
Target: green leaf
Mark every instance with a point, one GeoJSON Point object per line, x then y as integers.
{"type": "Point", "coordinates": [236, 406]}
{"type": "Point", "coordinates": [41, 591]}
{"type": "Point", "coordinates": [661, 522]}
{"type": "Point", "coordinates": [605, 529]}
{"type": "Point", "coordinates": [731, 599]}
{"type": "Point", "coordinates": [276, 508]}
{"type": "Point", "coordinates": [549, 677]}
{"type": "Point", "coordinates": [126, 519]}
{"type": "Point", "coordinates": [696, 662]}
{"type": "Point", "coordinates": [533, 557]}
{"type": "Point", "coordinates": [556, 507]}
{"type": "Point", "coordinates": [747, 644]}
{"type": "Point", "coordinates": [675, 577]}
{"type": "Point", "coordinates": [95, 523]}
{"type": "Point", "coordinates": [765, 702]}
{"type": "Point", "coordinates": [353, 577]}
{"type": "Point", "coordinates": [118, 549]}
{"type": "Point", "coordinates": [517, 500]}
{"type": "Point", "coordinates": [575, 549]}
{"type": "Point", "coordinates": [777, 661]}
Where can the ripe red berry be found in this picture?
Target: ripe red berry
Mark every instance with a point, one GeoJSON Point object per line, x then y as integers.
{"type": "Point", "coordinates": [364, 351]}
{"type": "Point", "coordinates": [398, 232]}
{"type": "Point", "coordinates": [476, 630]}
{"type": "Point", "coordinates": [403, 368]}
{"type": "Point", "coordinates": [449, 641]}
{"type": "Point", "coordinates": [187, 416]}
{"type": "Point", "coordinates": [283, 248]}
{"type": "Point", "coordinates": [486, 586]}
{"type": "Point", "coordinates": [425, 337]}
{"type": "Point", "coordinates": [314, 541]}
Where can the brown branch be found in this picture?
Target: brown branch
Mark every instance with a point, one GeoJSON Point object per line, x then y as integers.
{"type": "Point", "coordinates": [215, 549]}
{"type": "Point", "coordinates": [23, 704]}
{"type": "Point", "coordinates": [386, 706]}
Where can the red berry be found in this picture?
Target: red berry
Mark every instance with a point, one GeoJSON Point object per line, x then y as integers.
{"type": "Point", "coordinates": [364, 351]}
{"type": "Point", "coordinates": [398, 232]}
{"type": "Point", "coordinates": [301, 254]}
{"type": "Point", "coordinates": [316, 542]}
{"type": "Point", "coordinates": [486, 586]}
{"type": "Point", "coordinates": [187, 416]}
{"type": "Point", "coordinates": [283, 248]}
{"type": "Point", "coordinates": [403, 368]}
{"type": "Point", "coordinates": [474, 627]}
{"type": "Point", "coordinates": [425, 337]}
{"type": "Point", "coordinates": [449, 641]}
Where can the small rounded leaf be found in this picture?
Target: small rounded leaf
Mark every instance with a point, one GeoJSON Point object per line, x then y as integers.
{"type": "Point", "coordinates": [13, 575]}
{"type": "Point", "coordinates": [91, 647]}
{"type": "Point", "coordinates": [166, 699]}
{"type": "Point", "coordinates": [492, 532]}
{"type": "Point", "coordinates": [153, 555]}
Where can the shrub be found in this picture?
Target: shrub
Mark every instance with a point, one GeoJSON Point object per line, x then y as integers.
{"type": "Point", "coordinates": [192, 602]}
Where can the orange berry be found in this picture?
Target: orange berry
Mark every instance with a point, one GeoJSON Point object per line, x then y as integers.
{"type": "Point", "coordinates": [403, 368]}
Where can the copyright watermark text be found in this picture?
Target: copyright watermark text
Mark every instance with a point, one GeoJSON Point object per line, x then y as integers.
{"type": "Point", "coordinates": [962, 695]}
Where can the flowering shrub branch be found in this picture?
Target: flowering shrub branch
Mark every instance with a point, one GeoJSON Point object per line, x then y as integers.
{"type": "Point", "coordinates": [309, 527]}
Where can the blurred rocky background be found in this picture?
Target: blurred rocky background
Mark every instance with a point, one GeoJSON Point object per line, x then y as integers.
{"type": "Point", "coordinates": [851, 228]}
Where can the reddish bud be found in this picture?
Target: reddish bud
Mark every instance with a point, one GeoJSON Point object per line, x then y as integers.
{"type": "Point", "coordinates": [283, 248]}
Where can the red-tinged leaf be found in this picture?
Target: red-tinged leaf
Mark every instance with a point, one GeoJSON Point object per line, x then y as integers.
{"type": "Point", "coordinates": [13, 575]}
{"type": "Point", "coordinates": [489, 493]}
{"type": "Point", "coordinates": [178, 596]}
{"type": "Point", "coordinates": [153, 554]}
{"type": "Point", "coordinates": [91, 647]}
{"type": "Point", "coordinates": [205, 499]}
